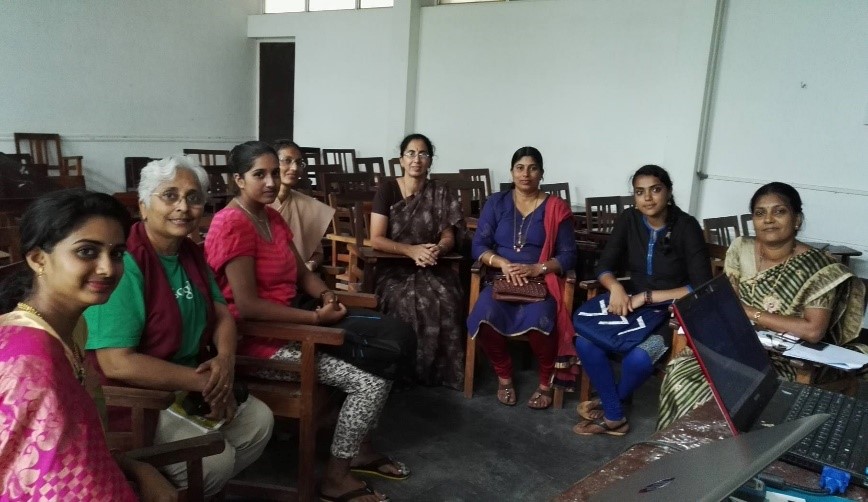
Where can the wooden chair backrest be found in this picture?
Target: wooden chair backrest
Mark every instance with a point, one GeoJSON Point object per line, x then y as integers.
{"type": "Point", "coordinates": [468, 191]}
{"type": "Point", "coordinates": [67, 181]}
{"type": "Point", "coordinates": [746, 224]}
{"type": "Point", "coordinates": [721, 230]}
{"type": "Point", "coordinates": [129, 200]}
{"type": "Point", "coordinates": [448, 177]}
{"type": "Point", "coordinates": [562, 190]}
{"type": "Point", "coordinates": [133, 170]}
{"type": "Point", "coordinates": [209, 157]}
{"type": "Point", "coordinates": [717, 255]}
{"type": "Point", "coordinates": [395, 166]}
{"type": "Point", "coordinates": [312, 155]}
{"type": "Point", "coordinates": [483, 175]}
{"type": "Point", "coordinates": [346, 157]}
{"type": "Point", "coordinates": [627, 201]}
{"type": "Point", "coordinates": [369, 165]}
{"type": "Point", "coordinates": [43, 148]}
{"type": "Point", "coordinates": [23, 158]}
{"type": "Point", "coordinates": [347, 182]}
{"type": "Point", "coordinates": [601, 213]}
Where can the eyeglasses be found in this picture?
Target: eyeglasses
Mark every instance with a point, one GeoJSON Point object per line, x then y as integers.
{"type": "Point", "coordinates": [298, 162]}
{"type": "Point", "coordinates": [413, 155]}
{"type": "Point", "coordinates": [172, 197]}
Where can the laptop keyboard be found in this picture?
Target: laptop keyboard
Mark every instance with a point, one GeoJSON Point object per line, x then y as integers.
{"type": "Point", "coordinates": [835, 442]}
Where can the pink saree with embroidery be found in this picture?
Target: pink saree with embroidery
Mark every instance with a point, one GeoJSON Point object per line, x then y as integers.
{"type": "Point", "coordinates": [52, 445]}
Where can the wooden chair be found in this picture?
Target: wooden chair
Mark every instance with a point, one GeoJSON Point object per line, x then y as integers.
{"type": "Point", "coordinates": [314, 175]}
{"type": "Point", "coordinates": [627, 201]}
{"type": "Point", "coordinates": [44, 149]}
{"type": "Point", "coordinates": [477, 272]}
{"type": "Point", "coordinates": [395, 166]}
{"type": "Point", "coordinates": [447, 177]}
{"type": "Point", "coordinates": [209, 157]}
{"type": "Point", "coordinates": [746, 224]}
{"type": "Point", "coordinates": [304, 400]}
{"type": "Point", "coordinates": [601, 213]}
{"type": "Point", "coordinates": [21, 158]}
{"type": "Point", "coordinates": [470, 194]}
{"type": "Point", "coordinates": [483, 175]}
{"type": "Point", "coordinates": [67, 181]}
{"type": "Point", "coordinates": [562, 190]}
{"type": "Point", "coordinates": [133, 170]}
{"type": "Point", "coordinates": [345, 157]}
{"type": "Point", "coordinates": [312, 155]}
{"type": "Point", "coordinates": [347, 182]}
{"type": "Point", "coordinates": [129, 200]}
{"type": "Point", "coordinates": [350, 232]}
{"type": "Point", "coordinates": [721, 230]}
{"type": "Point", "coordinates": [373, 165]}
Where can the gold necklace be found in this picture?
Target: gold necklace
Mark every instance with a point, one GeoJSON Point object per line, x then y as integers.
{"type": "Point", "coordinates": [77, 359]}
{"type": "Point", "coordinates": [260, 223]}
{"type": "Point", "coordinates": [519, 235]}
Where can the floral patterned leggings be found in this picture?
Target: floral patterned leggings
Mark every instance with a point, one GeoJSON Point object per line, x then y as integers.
{"type": "Point", "coordinates": [366, 396]}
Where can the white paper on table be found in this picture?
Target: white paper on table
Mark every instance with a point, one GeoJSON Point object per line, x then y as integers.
{"type": "Point", "coordinates": [773, 340]}
{"type": "Point", "coordinates": [831, 355]}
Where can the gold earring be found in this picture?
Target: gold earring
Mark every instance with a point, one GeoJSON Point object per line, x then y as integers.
{"type": "Point", "coordinates": [41, 272]}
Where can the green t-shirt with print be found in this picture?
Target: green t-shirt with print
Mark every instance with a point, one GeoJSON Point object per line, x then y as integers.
{"type": "Point", "coordinates": [119, 322]}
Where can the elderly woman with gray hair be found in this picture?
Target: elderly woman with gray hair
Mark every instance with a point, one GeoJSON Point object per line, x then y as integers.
{"type": "Point", "coordinates": [166, 326]}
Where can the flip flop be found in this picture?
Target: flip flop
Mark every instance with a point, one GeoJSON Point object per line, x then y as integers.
{"type": "Point", "coordinates": [373, 469]}
{"type": "Point", "coordinates": [541, 399]}
{"type": "Point", "coordinates": [594, 427]}
{"type": "Point", "coordinates": [590, 410]}
{"type": "Point", "coordinates": [506, 393]}
{"type": "Point", "coordinates": [350, 495]}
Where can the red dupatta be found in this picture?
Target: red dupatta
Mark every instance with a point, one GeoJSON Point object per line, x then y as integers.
{"type": "Point", "coordinates": [557, 211]}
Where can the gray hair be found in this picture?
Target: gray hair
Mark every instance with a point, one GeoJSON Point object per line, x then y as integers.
{"type": "Point", "coordinates": [161, 171]}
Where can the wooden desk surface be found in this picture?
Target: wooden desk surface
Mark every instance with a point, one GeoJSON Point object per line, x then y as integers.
{"type": "Point", "coordinates": [702, 425]}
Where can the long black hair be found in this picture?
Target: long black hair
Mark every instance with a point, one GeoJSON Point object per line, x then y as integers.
{"type": "Point", "coordinates": [672, 210]}
{"type": "Point", "coordinates": [49, 220]}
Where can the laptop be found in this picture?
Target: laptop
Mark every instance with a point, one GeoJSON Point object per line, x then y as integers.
{"type": "Point", "coordinates": [749, 394]}
{"type": "Point", "coordinates": [684, 475]}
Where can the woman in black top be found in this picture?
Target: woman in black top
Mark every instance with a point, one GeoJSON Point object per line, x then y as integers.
{"type": "Point", "coordinates": [663, 251]}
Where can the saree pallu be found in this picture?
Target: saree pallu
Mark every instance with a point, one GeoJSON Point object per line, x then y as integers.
{"type": "Point", "coordinates": [807, 280]}
{"type": "Point", "coordinates": [52, 446]}
{"type": "Point", "coordinates": [431, 298]}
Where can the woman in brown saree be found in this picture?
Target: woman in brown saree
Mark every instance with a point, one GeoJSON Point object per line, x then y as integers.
{"type": "Point", "coordinates": [418, 218]}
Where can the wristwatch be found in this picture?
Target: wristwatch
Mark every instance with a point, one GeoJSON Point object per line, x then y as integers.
{"type": "Point", "coordinates": [544, 269]}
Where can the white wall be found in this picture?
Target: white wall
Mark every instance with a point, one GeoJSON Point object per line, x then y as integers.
{"type": "Point", "coordinates": [600, 88]}
{"type": "Point", "coordinates": [345, 66]}
{"type": "Point", "coordinates": [127, 78]}
{"type": "Point", "coordinates": [790, 105]}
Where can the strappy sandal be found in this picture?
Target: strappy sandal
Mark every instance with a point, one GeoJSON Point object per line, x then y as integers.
{"type": "Point", "coordinates": [541, 399]}
{"type": "Point", "coordinates": [373, 468]}
{"type": "Point", "coordinates": [590, 410]}
{"type": "Point", "coordinates": [594, 427]}
{"type": "Point", "coordinates": [506, 393]}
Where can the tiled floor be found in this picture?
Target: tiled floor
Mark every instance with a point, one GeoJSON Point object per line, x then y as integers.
{"type": "Point", "coordinates": [478, 449]}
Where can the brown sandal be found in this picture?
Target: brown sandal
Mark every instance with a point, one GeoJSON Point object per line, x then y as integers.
{"type": "Point", "coordinates": [594, 427]}
{"type": "Point", "coordinates": [506, 393]}
{"type": "Point", "coordinates": [590, 410]}
{"type": "Point", "coordinates": [541, 399]}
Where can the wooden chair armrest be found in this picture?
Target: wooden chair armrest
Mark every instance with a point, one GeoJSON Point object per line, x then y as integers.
{"type": "Point", "coordinates": [180, 451]}
{"type": "Point", "coordinates": [330, 270]}
{"type": "Point", "coordinates": [134, 397]}
{"type": "Point", "coordinates": [570, 277]}
{"type": "Point", "coordinates": [477, 268]}
{"type": "Point", "coordinates": [292, 332]}
{"type": "Point", "coordinates": [346, 239]}
{"type": "Point", "coordinates": [358, 300]}
{"type": "Point", "coordinates": [254, 363]}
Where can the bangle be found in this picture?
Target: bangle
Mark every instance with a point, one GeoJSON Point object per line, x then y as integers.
{"type": "Point", "coordinates": [756, 316]}
{"type": "Point", "coordinates": [648, 297]}
{"type": "Point", "coordinates": [323, 295]}
{"type": "Point", "coordinates": [491, 259]}
{"type": "Point", "coordinates": [544, 269]}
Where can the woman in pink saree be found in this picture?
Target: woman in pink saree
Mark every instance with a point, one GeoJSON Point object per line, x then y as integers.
{"type": "Point", "coordinates": [52, 445]}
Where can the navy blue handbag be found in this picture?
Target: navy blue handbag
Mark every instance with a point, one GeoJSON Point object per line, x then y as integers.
{"type": "Point", "coordinates": [614, 333]}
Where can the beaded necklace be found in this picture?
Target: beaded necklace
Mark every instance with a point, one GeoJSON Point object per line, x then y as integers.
{"type": "Point", "coordinates": [77, 359]}
{"type": "Point", "coordinates": [259, 222]}
{"type": "Point", "coordinates": [519, 235]}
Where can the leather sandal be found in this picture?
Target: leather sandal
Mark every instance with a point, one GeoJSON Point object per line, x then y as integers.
{"type": "Point", "coordinates": [541, 399]}
{"type": "Point", "coordinates": [506, 393]}
{"type": "Point", "coordinates": [590, 410]}
{"type": "Point", "coordinates": [594, 427]}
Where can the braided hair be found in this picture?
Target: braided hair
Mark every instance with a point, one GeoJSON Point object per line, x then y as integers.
{"type": "Point", "coordinates": [672, 210]}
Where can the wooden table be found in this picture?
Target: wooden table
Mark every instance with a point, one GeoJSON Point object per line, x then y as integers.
{"type": "Point", "coordinates": [702, 425]}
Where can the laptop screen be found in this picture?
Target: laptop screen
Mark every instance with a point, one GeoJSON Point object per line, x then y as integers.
{"type": "Point", "coordinates": [729, 351]}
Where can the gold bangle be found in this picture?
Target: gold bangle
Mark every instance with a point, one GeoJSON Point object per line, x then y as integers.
{"type": "Point", "coordinates": [491, 259]}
